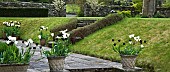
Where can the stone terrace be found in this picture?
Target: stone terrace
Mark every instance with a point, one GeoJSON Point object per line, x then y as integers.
{"type": "Point", "coordinates": [74, 63]}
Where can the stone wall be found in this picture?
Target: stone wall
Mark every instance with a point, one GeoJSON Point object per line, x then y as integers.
{"type": "Point", "coordinates": [105, 10]}
{"type": "Point", "coordinates": [50, 7]}
{"type": "Point", "coordinates": [163, 11]}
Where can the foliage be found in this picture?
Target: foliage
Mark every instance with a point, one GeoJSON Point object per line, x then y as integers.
{"type": "Point", "coordinates": [72, 8]}
{"type": "Point", "coordinates": [61, 48]}
{"type": "Point", "coordinates": [95, 6]}
{"type": "Point", "coordinates": [11, 28]}
{"type": "Point", "coordinates": [125, 13]}
{"type": "Point", "coordinates": [166, 5]}
{"type": "Point", "coordinates": [138, 6]}
{"type": "Point", "coordinates": [81, 5]}
{"type": "Point", "coordinates": [131, 47]}
{"type": "Point", "coordinates": [12, 55]}
{"type": "Point", "coordinates": [59, 5]}
{"type": "Point", "coordinates": [23, 12]}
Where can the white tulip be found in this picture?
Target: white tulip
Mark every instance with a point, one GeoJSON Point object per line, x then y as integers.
{"type": "Point", "coordinates": [52, 34]}
{"type": "Point", "coordinates": [12, 38]}
{"type": "Point", "coordinates": [26, 43]}
{"type": "Point", "coordinates": [30, 41]}
{"type": "Point", "coordinates": [64, 31]}
{"type": "Point", "coordinates": [12, 24]}
{"type": "Point", "coordinates": [58, 37]}
{"type": "Point", "coordinates": [16, 42]}
{"type": "Point", "coordinates": [141, 46]}
{"type": "Point", "coordinates": [39, 36]}
{"type": "Point", "coordinates": [8, 42]}
{"type": "Point", "coordinates": [64, 35]}
{"type": "Point", "coordinates": [8, 24]}
{"type": "Point", "coordinates": [5, 23]}
{"type": "Point", "coordinates": [131, 36]}
{"type": "Point", "coordinates": [17, 25]}
{"type": "Point", "coordinates": [130, 42]}
{"type": "Point", "coordinates": [137, 38]}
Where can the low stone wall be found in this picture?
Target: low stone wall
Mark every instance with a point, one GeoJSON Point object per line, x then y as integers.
{"type": "Point", "coordinates": [51, 9]}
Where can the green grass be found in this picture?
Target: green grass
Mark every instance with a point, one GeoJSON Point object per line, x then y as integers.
{"type": "Point", "coordinates": [30, 26]}
{"type": "Point", "coordinates": [156, 54]}
{"type": "Point", "coordinates": [72, 8]}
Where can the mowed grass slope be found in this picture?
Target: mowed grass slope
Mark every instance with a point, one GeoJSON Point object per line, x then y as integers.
{"type": "Point", "coordinates": [155, 31]}
{"type": "Point", "coordinates": [30, 26]}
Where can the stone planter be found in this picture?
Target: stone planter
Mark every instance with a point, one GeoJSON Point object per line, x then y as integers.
{"type": "Point", "coordinates": [4, 36]}
{"type": "Point", "coordinates": [13, 67]}
{"type": "Point", "coordinates": [56, 64]}
{"type": "Point", "coordinates": [42, 42]}
{"type": "Point", "coordinates": [128, 61]}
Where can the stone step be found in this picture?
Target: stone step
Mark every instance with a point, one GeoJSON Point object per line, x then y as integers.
{"type": "Point", "coordinates": [81, 24]}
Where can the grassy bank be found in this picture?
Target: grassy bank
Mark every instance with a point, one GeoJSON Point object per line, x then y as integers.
{"type": "Point", "coordinates": [30, 26]}
{"type": "Point", "coordinates": [155, 31]}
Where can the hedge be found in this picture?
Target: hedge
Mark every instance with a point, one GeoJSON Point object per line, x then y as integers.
{"type": "Point", "coordinates": [89, 29]}
{"type": "Point", "coordinates": [23, 12]}
{"type": "Point", "coordinates": [70, 26]}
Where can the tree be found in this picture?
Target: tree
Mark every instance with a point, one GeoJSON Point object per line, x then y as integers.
{"type": "Point", "coordinates": [81, 4]}
{"type": "Point", "coordinates": [95, 6]}
{"type": "Point", "coordinates": [59, 5]}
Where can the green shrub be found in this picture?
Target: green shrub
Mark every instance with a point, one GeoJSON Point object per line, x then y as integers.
{"type": "Point", "coordinates": [125, 13]}
{"type": "Point", "coordinates": [23, 12]}
{"type": "Point", "coordinates": [70, 26]}
{"type": "Point", "coordinates": [110, 19]}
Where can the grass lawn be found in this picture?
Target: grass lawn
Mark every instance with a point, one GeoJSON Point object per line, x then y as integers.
{"type": "Point", "coordinates": [155, 31]}
{"type": "Point", "coordinates": [30, 26]}
{"type": "Point", "coordinates": [72, 8]}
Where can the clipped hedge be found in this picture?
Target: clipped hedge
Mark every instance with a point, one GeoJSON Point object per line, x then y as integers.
{"type": "Point", "coordinates": [89, 29]}
{"type": "Point", "coordinates": [70, 26]}
{"type": "Point", "coordinates": [23, 12]}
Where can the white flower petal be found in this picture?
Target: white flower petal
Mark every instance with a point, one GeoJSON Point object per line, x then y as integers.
{"type": "Point", "coordinates": [131, 36]}
{"type": "Point", "coordinates": [8, 42]}
{"type": "Point", "coordinates": [58, 37]}
{"type": "Point", "coordinates": [39, 36]}
{"type": "Point", "coordinates": [142, 46]}
{"type": "Point", "coordinates": [30, 41]}
{"type": "Point", "coordinates": [26, 43]}
{"type": "Point", "coordinates": [16, 42]}
{"type": "Point", "coordinates": [52, 34]}
{"type": "Point", "coordinates": [130, 42]}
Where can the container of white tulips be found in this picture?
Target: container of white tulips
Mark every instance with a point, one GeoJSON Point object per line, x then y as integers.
{"type": "Point", "coordinates": [56, 56]}
{"type": "Point", "coordinates": [13, 59]}
{"type": "Point", "coordinates": [43, 36]}
{"type": "Point", "coordinates": [128, 50]}
{"type": "Point", "coordinates": [11, 28]}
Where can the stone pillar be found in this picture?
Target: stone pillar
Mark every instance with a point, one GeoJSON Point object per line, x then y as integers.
{"type": "Point", "coordinates": [149, 7]}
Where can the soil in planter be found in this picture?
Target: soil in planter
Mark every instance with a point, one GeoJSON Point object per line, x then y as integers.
{"type": "Point", "coordinates": [42, 42]}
